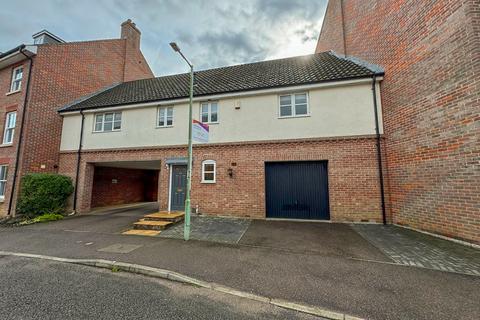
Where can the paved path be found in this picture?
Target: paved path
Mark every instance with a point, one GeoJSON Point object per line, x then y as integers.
{"type": "Point", "coordinates": [417, 249]}
{"type": "Point", "coordinates": [38, 289]}
{"type": "Point", "coordinates": [320, 277]}
{"type": "Point", "coordinates": [216, 229]}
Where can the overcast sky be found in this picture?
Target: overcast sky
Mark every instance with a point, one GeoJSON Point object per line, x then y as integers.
{"type": "Point", "coordinates": [211, 33]}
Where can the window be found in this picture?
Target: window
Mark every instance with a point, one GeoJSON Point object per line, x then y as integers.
{"type": "Point", "coordinates": [3, 180]}
{"type": "Point", "coordinates": [165, 117]}
{"type": "Point", "coordinates": [10, 121]}
{"type": "Point", "coordinates": [208, 171]}
{"type": "Point", "coordinates": [110, 121]}
{"type": "Point", "coordinates": [293, 105]}
{"type": "Point", "coordinates": [17, 75]}
{"type": "Point", "coordinates": [209, 112]}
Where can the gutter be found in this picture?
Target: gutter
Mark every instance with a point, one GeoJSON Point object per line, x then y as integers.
{"type": "Point", "coordinates": [79, 156]}
{"type": "Point", "coordinates": [379, 149]}
{"type": "Point", "coordinates": [19, 145]}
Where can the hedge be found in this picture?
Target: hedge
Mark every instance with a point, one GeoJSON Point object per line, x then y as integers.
{"type": "Point", "coordinates": [44, 193]}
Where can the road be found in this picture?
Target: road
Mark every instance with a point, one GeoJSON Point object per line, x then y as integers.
{"type": "Point", "coordinates": [39, 289]}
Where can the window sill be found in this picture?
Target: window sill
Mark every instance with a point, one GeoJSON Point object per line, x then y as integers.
{"type": "Point", "coordinates": [209, 182]}
{"type": "Point", "coordinates": [163, 127]}
{"type": "Point", "coordinates": [106, 131]}
{"type": "Point", "coordinates": [209, 123]}
{"type": "Point", "coordinates": [13, 92]}
{"type": "Point", "coordinates": [2, 199]}
{"type": "Point", "coordinates": [4, 145]}
{"type": "Point", "coordinates": [290, 117]}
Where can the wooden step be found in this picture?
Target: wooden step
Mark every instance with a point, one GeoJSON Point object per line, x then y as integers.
{"type": "Point", "coordinates": [151, 225]}
{"type": "Point", "coordinates": [138, 232]}
{"type": "Point", "coordinates": [173, 216]}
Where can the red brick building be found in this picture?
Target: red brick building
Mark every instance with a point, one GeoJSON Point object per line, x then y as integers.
{"type": "Point", "coordinates": [430, 51]}
{"type": "Point", "coordinates": [36, 80]}
{"type": "Point", "coordinates": [289, 138]}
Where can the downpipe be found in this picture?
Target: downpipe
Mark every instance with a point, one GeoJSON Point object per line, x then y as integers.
{"type": "Point", "coordinates": [379, 149]}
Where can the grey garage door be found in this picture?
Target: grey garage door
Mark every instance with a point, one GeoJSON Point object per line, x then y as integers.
{"type": "Point", "coordinates": [297, 190]}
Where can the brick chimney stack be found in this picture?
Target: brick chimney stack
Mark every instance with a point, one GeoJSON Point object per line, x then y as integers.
{"type": "Point", "coordinates": [131, 33]}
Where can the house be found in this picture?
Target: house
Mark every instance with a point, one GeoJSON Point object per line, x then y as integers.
{"type": "Point", "coordinates": [290, 138]}
{"type": "Point", "coordinates": [431, 101]}
{"type": "Point", "coordinates": [37, 79]}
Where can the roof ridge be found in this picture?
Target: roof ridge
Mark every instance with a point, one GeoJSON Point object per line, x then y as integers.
{"type": "Point", "coordinates": [237, 65]}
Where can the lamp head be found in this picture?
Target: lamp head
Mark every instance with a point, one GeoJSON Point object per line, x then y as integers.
{"type": "Point", "coordinates": [174, 46]}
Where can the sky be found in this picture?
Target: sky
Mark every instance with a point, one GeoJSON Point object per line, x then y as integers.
{"type": "Point", "coordinates": [210, 33]}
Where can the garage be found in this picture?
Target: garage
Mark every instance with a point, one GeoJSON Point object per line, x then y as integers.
{"type": "Point", "coordinates": [297, 190]}
{"type": "Point", "coordinates": [116, 183]}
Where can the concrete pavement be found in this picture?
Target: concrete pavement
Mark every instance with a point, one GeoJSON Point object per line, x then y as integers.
{"type": "Point", "coordinates": [358, 285]}
{"type": "Point", "coordinates": [38, 289]}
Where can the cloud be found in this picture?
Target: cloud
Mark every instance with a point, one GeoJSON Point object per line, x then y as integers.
{"type": "Point", "coordinates": [211, 33]}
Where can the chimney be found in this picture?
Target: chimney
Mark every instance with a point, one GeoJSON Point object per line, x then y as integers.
{"type": "Point", "coordinates": [131, 33]}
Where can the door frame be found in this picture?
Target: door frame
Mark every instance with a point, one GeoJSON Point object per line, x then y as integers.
{"type": "Point", "coordinates": [170, 168]}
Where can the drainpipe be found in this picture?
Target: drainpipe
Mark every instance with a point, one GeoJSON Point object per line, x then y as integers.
{"type": "Point", "coordinates": [379, 149]}
{"type": "Point", "coordinates": [79, 156]}
{"type": "Point", "coordinates": [19, 145]}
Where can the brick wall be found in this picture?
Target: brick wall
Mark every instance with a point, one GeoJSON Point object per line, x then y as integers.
{"type": "Point", "coordinates": [352, 164]}
{"type": "Point", "coordinates": [9, 103]}
{"type": "Point", "coordinates": [431, 103]}
{"type": "Point", "coordinates": [136, 67]}
{"type": "Point", "coordinates": [63, 73]}
{"type": "Point", "coordinates": [114, 186]}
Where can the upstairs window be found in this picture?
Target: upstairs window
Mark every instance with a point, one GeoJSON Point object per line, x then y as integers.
{"type": "Point", "coordinates": [3, 180]}
{"type": "Point", "coordinates": [109, 121]}
{"type": "Point", "coordinates": [165, 117]}
{"type": "Point", "coordinates": [17, 75]}
{"type": "Point", "coordinates": [209, 171]}
{"type": "Point", "coordinates": [293, 105]}
{"type": "Point", "coordinates": [209, 112]}
{"type": "Point", "coordinates": [10, 122]}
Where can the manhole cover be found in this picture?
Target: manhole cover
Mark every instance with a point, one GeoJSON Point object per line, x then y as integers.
{"type": "Point", "coordinates": [120, 248]}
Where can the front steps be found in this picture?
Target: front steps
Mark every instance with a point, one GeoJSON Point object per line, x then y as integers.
{"type": "Point", "coordinates": [152, 224]}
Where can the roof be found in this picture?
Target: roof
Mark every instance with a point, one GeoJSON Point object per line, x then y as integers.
{"type": "Point", "coordinates": [309, 69]}
{"type": "Point", "coordinates": [6, 53]}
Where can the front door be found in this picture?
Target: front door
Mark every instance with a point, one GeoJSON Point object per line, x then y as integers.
{"type": "Point", "coordinates": [178, 188]}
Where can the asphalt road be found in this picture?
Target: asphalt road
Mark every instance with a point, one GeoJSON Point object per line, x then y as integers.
{"type": "Point", "coordinates": [38, 289]}
{"type": "Point", "coordinates": [324, 265]}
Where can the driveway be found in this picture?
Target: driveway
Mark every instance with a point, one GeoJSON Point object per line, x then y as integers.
{"type": "Point", "coordinates": [112, 220]}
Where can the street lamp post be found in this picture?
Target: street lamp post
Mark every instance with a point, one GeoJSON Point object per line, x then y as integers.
{"type": "Point", "coordinates": [188, 209]}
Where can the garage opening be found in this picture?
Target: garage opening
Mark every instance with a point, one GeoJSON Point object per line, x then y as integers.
{"type": "Point", "coordinates": [297, 190]}
{"type": "Point", "coordinates": [124, 183]}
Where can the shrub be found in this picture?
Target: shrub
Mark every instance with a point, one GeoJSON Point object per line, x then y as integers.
{"type": "Point", "coordinates": [44, 193]}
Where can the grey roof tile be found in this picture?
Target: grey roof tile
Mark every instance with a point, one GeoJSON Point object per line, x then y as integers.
{"type": "Point", "coordinates": [314, 68]}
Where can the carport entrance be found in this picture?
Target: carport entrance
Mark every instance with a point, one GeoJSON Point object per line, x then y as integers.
{"type": "Point", "coordinates": [125, 182]}
{"type": "Point", "coordinates": [297, 190]}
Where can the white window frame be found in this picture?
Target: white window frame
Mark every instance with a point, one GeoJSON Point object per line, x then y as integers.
{"type": "Point", "coordinates": [165, 117]}
{"type": "Point", "coordinates": [293, 105]}
{"type": "Point", "coordinates": [209, 111]}
{"type": "Point", "coordinates": [205, 162]}
{"type": "Point", "coordinates": [14, 80]}
{"type": "Point", "coordinates": [9, 128]}
{"type": "Point", "coordinates": [3, 179]}
{"type": "Point", "coordinates": [103, 121]}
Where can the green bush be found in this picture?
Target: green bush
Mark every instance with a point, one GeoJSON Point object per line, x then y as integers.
{"type": "Point", "coordinates": [44, 193]}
